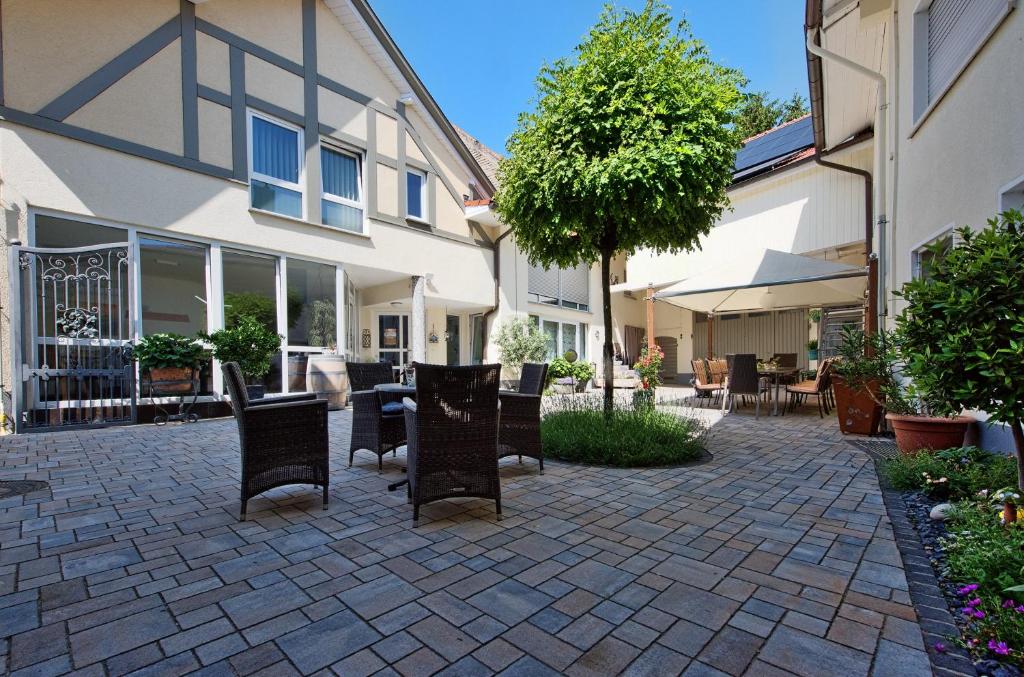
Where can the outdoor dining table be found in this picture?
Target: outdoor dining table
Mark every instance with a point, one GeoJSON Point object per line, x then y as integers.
{"type": "Point", "coordinates": [776, 374]}
{"type": "Point", "coordinates": [404, 391]}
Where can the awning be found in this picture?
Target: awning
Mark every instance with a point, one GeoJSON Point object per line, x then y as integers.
{"type": "Point", "coordinates": [766, 279]}
{"type": "Point", "coordinates": [634, 287]}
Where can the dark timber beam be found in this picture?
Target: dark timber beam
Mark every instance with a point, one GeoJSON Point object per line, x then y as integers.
{"type": "Point", "coordinates": [121, 65]}
{"type": "Point", "coordinates": [189, 81]}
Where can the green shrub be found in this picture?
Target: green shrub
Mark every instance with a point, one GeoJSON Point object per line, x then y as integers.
{"type": "Point", "coordinates": [563, 368]}
{"type": "Point", "coordinates": [985, 558]}
{"type": "Point", "coordinates": [965, 472]}
{"type": "Point", "coordinates": [157, 351]}
{"type": "Point", "coordinates": [579, 431]}
{"type": "Point", "coordinates": [520, 341]}
{"type": "Point", "coordinates": [249, 343]}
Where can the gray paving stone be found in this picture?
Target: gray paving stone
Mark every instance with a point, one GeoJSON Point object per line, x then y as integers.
{"type": "Point", "coordinates": [110, 639]}
{"type": "Point", "coordinates": [327, 641]}
{"type": "Point", "coordinates": [259, 605]}
{"type": "Point", "coordinates": [379, 596]}
{"type": "Point", "coordinates": [510, 601]}
{"type": "Point", "coordinates": [804, 654]}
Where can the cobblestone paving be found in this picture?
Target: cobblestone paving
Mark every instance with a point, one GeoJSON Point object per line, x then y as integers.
{"type": "Point", "coordinates": [774, 558]}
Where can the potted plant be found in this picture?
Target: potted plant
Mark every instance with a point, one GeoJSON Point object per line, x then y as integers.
{"type": "Point", "coordinates": [960, 331]}
{"type": "Point", "coordinates": [325, 372]}
{"type": "Point", "coordinates": [249, 343]}
{"type": "Point", "coordinates": [648, 370]}
{"type": "Point", "coordinates": [812, 350]}
{"type": "Point", "coordinates": [519, 341]}
{"type": "Point", "coordinates": [170, 359]}
{"type": "Point", "coordinates": [861, 369]}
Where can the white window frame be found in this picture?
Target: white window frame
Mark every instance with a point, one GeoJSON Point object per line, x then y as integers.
{"type": "Point", "coordinates": [922, 104]}
{"type": "Point", "coordinates": [423, 194]}
{"type": "Point", "coordinates": [581, 333]}
{"type": "Point", "coordinates": [377, 350]}
{"type": "Point", "coordinates": [559, 302]}
{"type": "Point", "coordinates": [915, 252]}
{"type": "Point", "coordinates": [295, 187]}
{"type": "Point", "coordinates": [1011, 196]}
{"type": "Point", "coordinates": [337, 199]}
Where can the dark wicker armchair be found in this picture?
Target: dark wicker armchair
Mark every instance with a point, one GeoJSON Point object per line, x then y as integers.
{"type": "Point", "coordinates": [453, 435]}
{"type": "Point", "coordinates": [519, 433]}
{"type": "Point", "coordinates": [378, 423]}
{"type": "Point", "coordinates": [744, 381]}
{"type": "Point", "coordinates": [284, 439]}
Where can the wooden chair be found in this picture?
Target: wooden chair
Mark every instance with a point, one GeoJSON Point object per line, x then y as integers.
{"type": "Point", "coordinates": [283, 439]}
{"type": "Point", "coordinates": [744, 380]}
{"type": "Point", "coordinates": [453, 435]}
{"type": "Point", "coordinates": [378, 420]}
{"type": "Point", "coordinates": [519, 432]}
{"type": "Point", "coordinates": [818, 388]}
{"type": "Point", "coordinates": [702, 382]}
{"type": "Point", "coordinates": [718, 370]}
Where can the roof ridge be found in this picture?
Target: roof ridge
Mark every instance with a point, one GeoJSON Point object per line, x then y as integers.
{"type": "Point", "coordinates": [769, 131]}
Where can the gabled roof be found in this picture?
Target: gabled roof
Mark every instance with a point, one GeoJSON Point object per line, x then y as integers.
{"type": "Point", "coordinates": [368, 30]}
{"type": "Point", "coordinates": [485, 157]}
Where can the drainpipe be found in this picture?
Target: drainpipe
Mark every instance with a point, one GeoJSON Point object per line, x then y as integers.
{"type": "Point", "coordinates": [497, 283]}
{"type": "Point", "coordinates": [874, 190]}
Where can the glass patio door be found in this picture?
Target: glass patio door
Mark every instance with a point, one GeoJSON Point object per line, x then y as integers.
{"type": "Point", "coordinates": [393, 339]}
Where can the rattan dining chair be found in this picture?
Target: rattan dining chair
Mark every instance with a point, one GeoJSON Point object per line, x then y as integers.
{"type": "Point", "coordinates": [283, 440]}
{"type": "Point", "coordinates": [519, 432]}
{"type": "Point", "coordinates": [820, 388]}
{"type": "Point", "coordinates": [378, 421]}
{"type": "Point", "coordinates": [702, 383]}
{"type": "Point", "coordinates": [744, 381]}
{"type": "Point", "coordinates": [453, 435]}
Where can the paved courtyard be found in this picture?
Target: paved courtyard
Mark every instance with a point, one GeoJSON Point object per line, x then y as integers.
{"type": "Point", "coordinates": [776, 557]}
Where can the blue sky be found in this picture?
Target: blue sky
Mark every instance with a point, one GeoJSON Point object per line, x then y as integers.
{"type": "Point", "coordinates": [479, 58]}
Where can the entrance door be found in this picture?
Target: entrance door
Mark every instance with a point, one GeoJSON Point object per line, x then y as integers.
{"type": "Point", "coordinates": [670, 346]}
{"type": "Point", "coordinates": [393, 339]}
{"type": "Point", "coordinates": [72, 339]}
{"type": "Point", "coordinates": [452, 337]}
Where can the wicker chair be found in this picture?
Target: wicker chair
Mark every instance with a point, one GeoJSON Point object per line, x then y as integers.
{"type": "Point", "coordinates": [819, 388]}
{"type": "Point", "coordinates": [519, 434]}
{"type": "Point", "coordinates": [702, 383]}
{"type": "Point", "coordinates": [744, 381]}
{"type": "Point", "coordinates": [453, 435]}
{"type": "Point", "coordinates": [284, 439]}
{"type": "Point", "coordinates": [378, 423]}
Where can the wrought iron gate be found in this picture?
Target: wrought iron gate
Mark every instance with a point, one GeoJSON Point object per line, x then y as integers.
{"type": "Point", "coordinates": [73, 324]}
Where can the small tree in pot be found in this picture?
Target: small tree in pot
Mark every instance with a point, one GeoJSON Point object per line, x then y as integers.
{"type": "Point", "coordinates": [251, 345]}
{"type": "Point", "coordinates": [520, 341]}
{"type": "Point", "coordinates": [862, 370]}
{"type": "Point", "coordinates": [171, 359]}
{"type": "Point", "coordinates": [962, 332]}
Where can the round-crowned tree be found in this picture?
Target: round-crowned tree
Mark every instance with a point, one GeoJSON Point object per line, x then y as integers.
{"type": "Point", "coordinates": [631, 145]}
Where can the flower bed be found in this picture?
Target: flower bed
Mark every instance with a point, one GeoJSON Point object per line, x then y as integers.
{"type": "Point", "coordinates": [977, 559]}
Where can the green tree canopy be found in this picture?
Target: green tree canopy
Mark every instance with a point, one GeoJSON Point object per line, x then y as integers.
{"type": "Point", "coordinates": [962, 332]}
{"type": "Point", "coordinates": [631, 144]}
{"type": "Point", "coordinates": [759, 112]}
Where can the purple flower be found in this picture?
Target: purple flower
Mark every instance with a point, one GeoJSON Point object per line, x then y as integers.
{"type": "Point", "coordinates": [979, 614]}
{"type": "Point", "coordinates": [967, 589]}
{"type": "Point", "coordinates": [974, 602]}
{"type": "Point", "coordinates": [940, 647]}
{"type": "Point", "coordinates": [998, 647]}
{"type": "Point", "coordinates": [1019, 609]}
{"type": "Point", "coordinates": [1008, 603]}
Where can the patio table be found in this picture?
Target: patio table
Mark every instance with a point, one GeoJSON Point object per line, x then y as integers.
{"type": "Point", "coordinates": [404, 391]}
{"type": "Point", "coordinates": [776, 374]}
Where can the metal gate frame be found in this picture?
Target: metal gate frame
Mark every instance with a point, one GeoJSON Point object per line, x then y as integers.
{"type": "Point", "coordinates": [76, 325]}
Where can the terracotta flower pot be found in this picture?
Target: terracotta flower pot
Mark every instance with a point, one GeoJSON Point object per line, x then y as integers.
{"type": "Point", "coordinates": [928, 433]}
{"type": "Point", "coordinates": [856, 408]}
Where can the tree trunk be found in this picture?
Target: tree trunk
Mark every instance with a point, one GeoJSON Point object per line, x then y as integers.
{"type": "Point", "coordinates": [609, 350]}
{"type": "Point", "coordinates": [1018, 445]}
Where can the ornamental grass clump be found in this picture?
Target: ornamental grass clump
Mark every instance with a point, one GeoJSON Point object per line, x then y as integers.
{"type": "Point", "coordinates": [951, 474]}
{"type": "Point", "coordinates": [577, 429]}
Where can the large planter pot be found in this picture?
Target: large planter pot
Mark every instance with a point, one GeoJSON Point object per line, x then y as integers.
{"type": "Point", "coordinates": [928, 433]}
{"type": "Point", "coordinates": [326, 375]}
{"type": "Point", "coordinates": [171, 380]}
{"type": "Point", "coordinates": [256, 392]}
{"type": "Point", "coordinates": [856, 408]}
{"type": "Point", "coordinates": [812, 355]}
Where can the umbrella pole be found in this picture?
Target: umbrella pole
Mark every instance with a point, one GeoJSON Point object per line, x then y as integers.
{"type": "Point", "coordinates": [711, 336]}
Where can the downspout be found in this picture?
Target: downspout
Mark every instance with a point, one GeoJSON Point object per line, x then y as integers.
{"type": "Point", "coordinates": [497, 284]}
{"type": "Point", "coordinates": [874, 190]}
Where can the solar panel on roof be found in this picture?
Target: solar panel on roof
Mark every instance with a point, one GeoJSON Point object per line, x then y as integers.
{"type": "Point", "coordinates": [775, 144]}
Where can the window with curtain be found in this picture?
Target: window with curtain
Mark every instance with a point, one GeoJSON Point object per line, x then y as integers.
{"type": "Point", "coordinates": [275, 152]}
{"type": "Point", "coordinates": [568, 288]}
{"type": "Point", "coordinates": [416, 194]}
{"type": "Point", "coordinates": [342, 200]}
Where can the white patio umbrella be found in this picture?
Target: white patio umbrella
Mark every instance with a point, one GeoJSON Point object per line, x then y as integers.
{"type": "Point", "coordinates": [767, 279]}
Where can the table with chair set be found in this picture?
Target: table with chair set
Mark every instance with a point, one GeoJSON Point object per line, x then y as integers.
{"type": "Point", "coordinates": [454, 423]}
{"type": "Point", "coordinates": [743, 376]}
